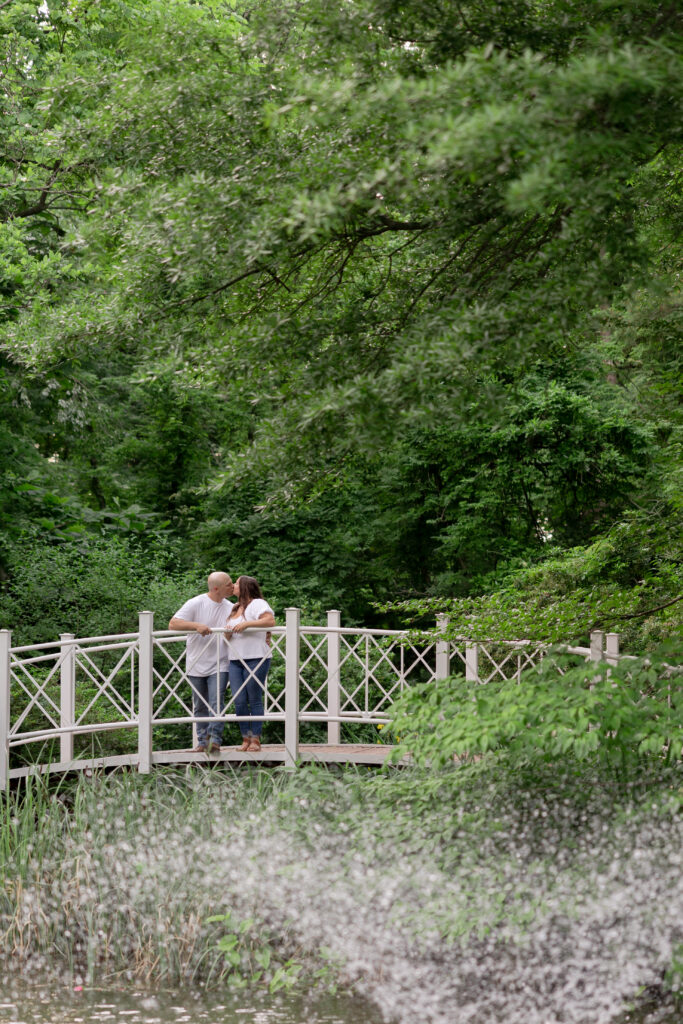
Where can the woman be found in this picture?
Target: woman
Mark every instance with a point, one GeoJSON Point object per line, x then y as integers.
{"type": "Point", "coordinates": [246, 631]}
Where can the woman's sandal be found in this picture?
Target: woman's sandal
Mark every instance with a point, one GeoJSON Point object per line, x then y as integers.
{"type": "Point", "coordinates": [254, 745]}
{"type": "Point", "coordinates": [246, 743]}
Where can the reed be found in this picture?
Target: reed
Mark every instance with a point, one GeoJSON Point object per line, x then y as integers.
{"type": "Point", "coordinates": [86, 867]}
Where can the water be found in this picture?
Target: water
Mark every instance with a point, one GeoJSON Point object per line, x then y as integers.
{"type": "Point", "coordinates": [25, 1005]}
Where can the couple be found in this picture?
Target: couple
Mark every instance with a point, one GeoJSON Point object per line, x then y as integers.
{"type": "Point", "coordinates": [241, 655]}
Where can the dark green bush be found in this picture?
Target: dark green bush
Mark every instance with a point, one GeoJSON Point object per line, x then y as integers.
{"type": "Point", "coordinates": [91, 590]}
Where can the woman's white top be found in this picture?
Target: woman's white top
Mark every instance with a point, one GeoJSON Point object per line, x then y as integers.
{"type": "Point", "coordinates": [252, 642]}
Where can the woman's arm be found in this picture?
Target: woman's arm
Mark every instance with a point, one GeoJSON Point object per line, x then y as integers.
{"type": "Point", "coordinates": [264, 621]}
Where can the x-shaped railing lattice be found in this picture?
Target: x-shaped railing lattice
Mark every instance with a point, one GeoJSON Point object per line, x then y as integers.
{"type": "Point", "coordinates": [314, 656]}
{"type": "Point", "coordinates": [163, 680]}
{"type": "Point", "coordinates": [169, 680]}
{"type": "Point", "coordinates": [523, 658]}
{"type": "Point", "coordinates": [385, 648]}
{"type": "Point", "coordinates": [457, 658]}
{"type": "Point", "coordinates": [273, 703]}
{"type": "Point", "coordinates": [19, 669]}
{"type": "Point", "coordinates": [104, 681]}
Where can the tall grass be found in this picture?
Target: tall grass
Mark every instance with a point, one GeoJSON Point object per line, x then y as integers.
{"type": "Point", "coordinates": [110, 876]}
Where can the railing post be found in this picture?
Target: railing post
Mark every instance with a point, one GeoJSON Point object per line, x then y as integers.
{"type": "Point", "coordinates": [67, 696]}
{"type": "Point", "coordinates": [292, 627]}
{"type": "Point", "coordinates": [472, 663]}
{"type": "Point", "coordinates": [333, 693]}
{"type": "Point", "coordinates": [442, 668]}
{"type": "Point", "coordinates": [145, 689]}
{"type": "Point", "coordinates": [596, 644]}
{"type": "Point", "coordinates": [612, 648]}
{"type": "Point", "coordinates": [5, 677]}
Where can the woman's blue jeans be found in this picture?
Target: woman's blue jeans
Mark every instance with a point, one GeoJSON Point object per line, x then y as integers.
{"type": "Point", "coordinates": [248, 685]}
{"type": "Point", "coordinates": [207, 699]}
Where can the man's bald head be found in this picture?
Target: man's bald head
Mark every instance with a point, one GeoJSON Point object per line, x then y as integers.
{"type": "Point", "coordinates": [220, 585]}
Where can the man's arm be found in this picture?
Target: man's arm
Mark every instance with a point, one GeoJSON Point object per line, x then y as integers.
{"type": "Point", "coordinates": [177, 623]}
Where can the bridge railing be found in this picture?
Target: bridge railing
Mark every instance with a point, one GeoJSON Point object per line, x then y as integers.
{"type": "Point", "coordinates": [133, 684]}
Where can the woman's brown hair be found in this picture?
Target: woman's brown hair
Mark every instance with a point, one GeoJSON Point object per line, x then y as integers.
{"type": "Point", "coordinates": [249, 591]}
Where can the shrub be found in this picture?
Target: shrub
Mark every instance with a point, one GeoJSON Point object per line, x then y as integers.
{"type": "Point", "coordinates": [94, 590]}
{"type": "Point", "coordinates": [564, 707]}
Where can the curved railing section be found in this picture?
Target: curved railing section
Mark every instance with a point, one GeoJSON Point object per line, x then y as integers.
{"type": "Point", "coordinates": [60, 695]}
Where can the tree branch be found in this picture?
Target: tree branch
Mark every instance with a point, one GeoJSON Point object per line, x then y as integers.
{"type": "Point", "coordinates": [437, 273]}
{"type": "Point", "coordinates": [404, 225]}
{"type": "Point", "coordinates": [649, 611]}
{"type": "Point", "coordinates": [41, 202]}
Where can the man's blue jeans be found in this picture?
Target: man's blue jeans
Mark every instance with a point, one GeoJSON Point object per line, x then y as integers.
{"type": "Point", "coordinates": [208, 693]}
{"type": "Point", "coordinates": [248, 684]}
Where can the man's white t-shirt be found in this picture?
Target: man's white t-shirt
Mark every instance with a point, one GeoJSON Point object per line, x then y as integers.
{"type": "Point", "coordinates": [252, 642]}
{"type": "Point", "coordinates": [205, 652]}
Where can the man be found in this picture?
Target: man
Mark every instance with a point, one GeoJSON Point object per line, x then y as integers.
{"type": "Point", "coordinates": [207, 656]}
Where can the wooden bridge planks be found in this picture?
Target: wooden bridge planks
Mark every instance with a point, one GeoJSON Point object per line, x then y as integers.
{"type": "Point", "coordinates": [270, 754]}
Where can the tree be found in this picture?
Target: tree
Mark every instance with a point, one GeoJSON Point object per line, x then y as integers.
{"type": "Point", "coordinates": [389, 238]}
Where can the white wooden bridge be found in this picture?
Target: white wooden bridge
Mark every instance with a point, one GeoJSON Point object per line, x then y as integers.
{"type": "Point", "coordinates": [98, 702]}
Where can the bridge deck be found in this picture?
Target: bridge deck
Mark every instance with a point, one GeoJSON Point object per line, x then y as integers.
{"type": "Point", "coordinates": [270, 753]}
{"type": "Point", "coordinates": [344, 753]}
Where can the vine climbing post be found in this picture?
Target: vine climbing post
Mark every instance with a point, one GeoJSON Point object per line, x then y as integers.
{"type": "Point", "coordinates": [597, 644]}
{"type": "Point", "coordinates": [612, 648]}
{"type": "Point", "coordinates": [472, 663]}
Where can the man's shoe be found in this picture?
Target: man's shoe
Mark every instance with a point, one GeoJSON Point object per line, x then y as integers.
{"type": "Point", "coordinates": [199, 749]}
{"type": "Point", "coordinates": [213, 748]}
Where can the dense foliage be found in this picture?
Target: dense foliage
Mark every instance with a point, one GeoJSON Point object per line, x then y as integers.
{"type": "Point", "coordinates": [619, 716]}
{"type": "Point", "coordinates": [375, 301]}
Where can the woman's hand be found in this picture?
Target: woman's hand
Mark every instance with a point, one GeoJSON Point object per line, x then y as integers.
{"type": "Point", "coordinates": [265, 621]}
